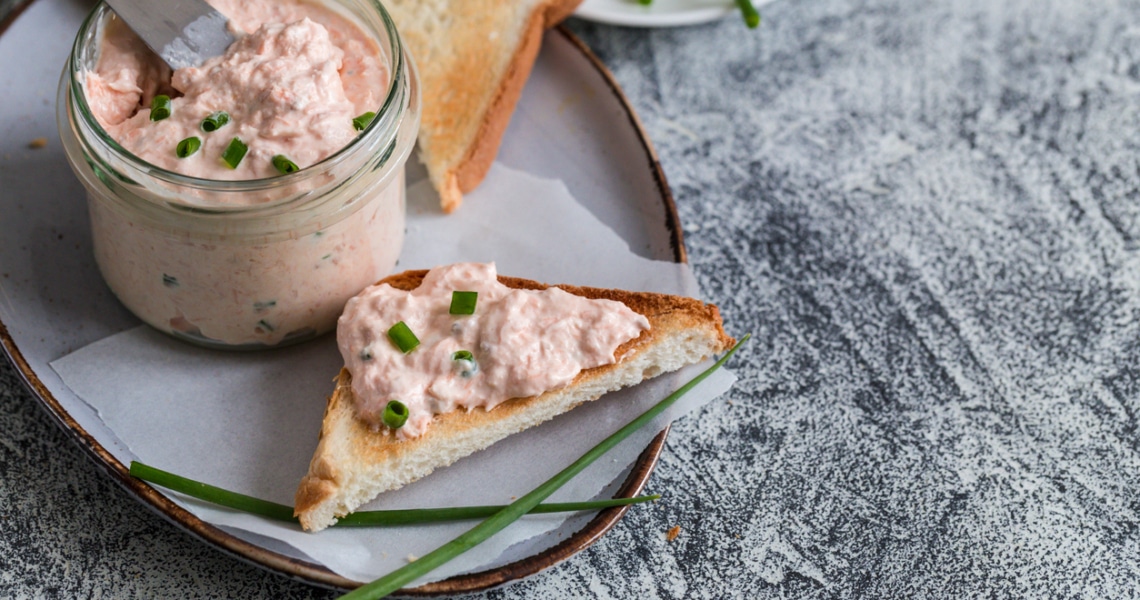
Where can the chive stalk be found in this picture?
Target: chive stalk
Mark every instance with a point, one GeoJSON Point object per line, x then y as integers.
{"type": "Point", "coordinates": [476, 535]}
{"type": "Point", "coordinates": [233, 153]}
{"type": "Point", "coordinates": [463, 303]}
{"type": "Point", "coordinates": [464, 363]}
{"type": "Point", "coordinates": [284, 165]}
{"type": "Point", "coordinates": [187, 147]}
{"type": "Point", "coordinates": [395, 414]}
{"type": "Point", "coordinates": [747, 10]}
{"type": "Point", "coordinates": [370, 518]}
{"type": "Point", "coordinates": [402, 336]}
{"type": "Point", "coordinates": [215, 121]}
{"type": "Point", "coordinates": [751, 15]}
{"type": "Point", "coordinates": [363, 121]}
{"type": "Point", "coordinates": [160, 107]}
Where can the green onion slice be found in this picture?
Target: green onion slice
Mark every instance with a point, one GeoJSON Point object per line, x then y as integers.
{"type": "Point", "coordinates": [363, 121]}
{"type": "Point", "coordinates": [233, 153]}
{"type": "Point", "coordinates": [160, 107]}
{"type": "Point", "coordinates": [284, 165]}
{"type": "Point", "coordinates": [378, 518]}
{"type": "Point", "coordinates": [395, 414]}
{"type": "Point", "coordinates": [188, 146]}
{"type": "Point", "coordinates": [464, 363]}
{"type": "Point", "coordinates": [215, 121]}
{"type": "Point", "coordinates": [476, 535]}
{"type": "Point", "coordinates": [463, 303]}
{"type": "Point", "coordinates": [402, 336]}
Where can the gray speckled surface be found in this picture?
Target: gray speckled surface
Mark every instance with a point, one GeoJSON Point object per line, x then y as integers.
{"type": "Point", "coordinates": [927, 213]}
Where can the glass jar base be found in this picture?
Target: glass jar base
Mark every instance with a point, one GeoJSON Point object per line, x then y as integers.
{"type": "Point", "coordinates": [290, 339]}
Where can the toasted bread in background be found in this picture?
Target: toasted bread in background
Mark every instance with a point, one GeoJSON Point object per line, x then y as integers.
{"type": "Point", "coordinates": [353, 463]}
{"type": "Point", "coordinates": [473, 58]}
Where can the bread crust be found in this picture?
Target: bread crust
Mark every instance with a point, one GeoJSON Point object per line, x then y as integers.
{"type": "Point", "coordinates": [474, 167]}
{"type": "Point", "coordinates": [458, 157]}
{"type": "Point", "coordinates": [350, 452]}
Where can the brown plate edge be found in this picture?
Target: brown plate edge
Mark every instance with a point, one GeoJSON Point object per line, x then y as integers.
{"type": "Point", "coordinates": [643, 468]}
{"type": "Point", "coordinates": [318, 574]}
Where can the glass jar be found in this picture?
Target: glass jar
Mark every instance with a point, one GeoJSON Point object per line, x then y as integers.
{"type": "Point", "coordinates": [245, 264]}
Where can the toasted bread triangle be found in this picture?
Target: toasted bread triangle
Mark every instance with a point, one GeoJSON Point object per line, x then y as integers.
{"type": "Point", "coordinates": [473, 57]}
{"type": "Point", "coordinates": [354, 463]}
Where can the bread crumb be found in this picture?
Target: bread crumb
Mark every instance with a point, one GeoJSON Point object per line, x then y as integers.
{"type": "Point", "coordinates": [412, 558]}
{"type": "Point", "coordinates": [673, 532]}
{"type": "Point", "coordinates": [38, 143]}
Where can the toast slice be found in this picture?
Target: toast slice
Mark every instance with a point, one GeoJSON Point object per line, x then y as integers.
{"type": "Point", "coordinates": [353, 463]}
{"type": "Point", "coordinates": [473, 57]}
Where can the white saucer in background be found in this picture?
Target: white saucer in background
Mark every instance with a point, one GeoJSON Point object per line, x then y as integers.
{"type": "Point", "coordinates": [661, 13]}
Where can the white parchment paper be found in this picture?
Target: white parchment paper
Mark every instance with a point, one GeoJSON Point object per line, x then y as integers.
{"type": "Point", "coordinates": [249, 421]}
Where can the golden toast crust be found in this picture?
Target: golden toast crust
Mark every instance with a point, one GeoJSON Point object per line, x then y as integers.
{"type": "Point", "coordinates": [474, 57]}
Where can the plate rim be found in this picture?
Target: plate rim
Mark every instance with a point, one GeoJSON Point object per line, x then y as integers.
{"type": "Point", "coordinates": [320, 575]}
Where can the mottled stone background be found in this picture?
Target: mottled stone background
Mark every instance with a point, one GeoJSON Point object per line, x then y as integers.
{"type": "Point", "coordinates": [928, 213]}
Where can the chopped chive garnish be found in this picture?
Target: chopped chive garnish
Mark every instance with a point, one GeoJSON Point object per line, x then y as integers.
{"type": "Point", "coordinates": [169, 281]}
{"type": "Point", "coordinates": [187, 147]}
{"type": "Point", "coordinates": [476, 535]}
{"type": "Point", "coordinates": [463, 303]}
{"type": "Point", "coordinates": [284, 165]}
{"type": "Point", "coordinates": [395, 414]}
{"type": "Point", "coordinates": [464, 363]}
{"type": "Point", "coordinates": [402, 336]}
{"type": "Point", "coordinates": [327, 256]}
{"type": "Point", "coordinates": [379, 518]}
{"type": "Point", "coordinates": [265, 325]}
{"type": "Point", "coordinates": [264, 306]}
{"type": "Point", "coordinates": [234, 153]}
{"type": "Point", "coordinates": [645, 2]}
{"type": "Point", "coordinates": [215, 121]}
{"type": "Point", "coordinates": [160, 107]}
{"type": "Point", "coordinates": [751, 15]}
{"type": "Point", "coordinates": [363, 121]}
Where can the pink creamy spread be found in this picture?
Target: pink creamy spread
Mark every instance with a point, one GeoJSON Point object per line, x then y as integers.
{"type": "Point", "coordinates": [524, 343]}
{"type": "Point", "coordinates": [292, 84]}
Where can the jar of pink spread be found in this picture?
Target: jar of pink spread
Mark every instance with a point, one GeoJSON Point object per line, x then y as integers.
{"type": "Point", "coordinates": [265, 252]}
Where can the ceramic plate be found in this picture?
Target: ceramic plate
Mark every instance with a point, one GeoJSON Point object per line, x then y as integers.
{"type": "Point", "coordinates": [53, 301]}
{"type": "Point", "coordinates": [659, 13]}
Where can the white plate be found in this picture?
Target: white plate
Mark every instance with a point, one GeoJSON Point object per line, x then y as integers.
{"type": "Point", "coordinates": [660, 13]}
{"type": "Point", "coordinates": [53, 301]}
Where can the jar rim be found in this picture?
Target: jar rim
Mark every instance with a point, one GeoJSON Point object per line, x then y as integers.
{"type": "Point", "coordinates": [397, 64]}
